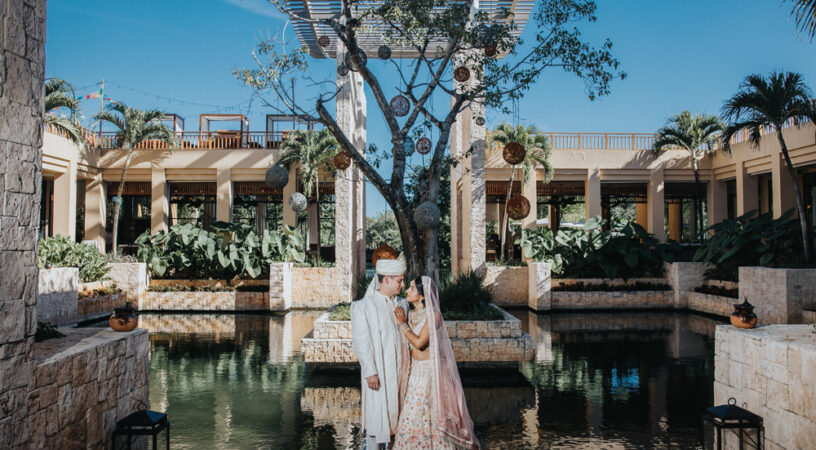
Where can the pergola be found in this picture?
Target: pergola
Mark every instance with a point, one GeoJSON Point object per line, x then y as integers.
{"type": "Point", "coordinates": [371, 33]}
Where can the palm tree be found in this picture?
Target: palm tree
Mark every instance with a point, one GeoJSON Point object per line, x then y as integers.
{"type": "Point", "coordinates": [134, 126]}
{"type": "Point", "coordinates": [805, 13]}
{"type": "Point", "coordinates": [60, 94]}
{"type": "Point", "coordinates": [695, 134]}
{"type": "Point", "coordinates": [538, 154]}
{"type": "Point", "coordinates": [313, 151]}
{"type": "Point", "coordinates": [771, 102]}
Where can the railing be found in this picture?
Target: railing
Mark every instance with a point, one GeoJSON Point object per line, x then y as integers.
{"type": "Point", "coordinates": [215, 140]}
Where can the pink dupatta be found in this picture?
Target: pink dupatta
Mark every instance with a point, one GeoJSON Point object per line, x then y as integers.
{"type": "Point", "coordinates": [448, 408]}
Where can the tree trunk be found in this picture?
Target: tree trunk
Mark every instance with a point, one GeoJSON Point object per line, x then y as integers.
{"type": "Point", "coordinates": [118, 206]}
{"type": "Point", "coordinates": [506, 220]}
{"type": "Point", "coordinates": [412, 243]}
{"type": "Point", "coordinates": [698, 205]}
{"type": "Point", "coordinates": [317, 204]}
{"type": "Point", "coordinates": [800, 204]}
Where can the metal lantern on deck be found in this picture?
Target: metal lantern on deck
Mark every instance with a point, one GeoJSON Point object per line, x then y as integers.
{"type": "Point", "coordinates": [323, 41]}
{"type": "Point", "coordinates": [384, 52]}
{"type": "Point", "coordinates": [518, 207]}
{"type": "Point", "coordinates": [277, 177]}
{"type": "Point", "coordinates": [297, 202]}
{"type": "Point", "coordinates": [400, 105]}
{"type": "Point", "coordinates": [423, 146]}
{"type": "Point", "coordinates": [514, 153]}
{"type": "Point", "coordinates": [384, 251]}
{"type": "Point", "coordinates": [342, 160]}
{"type": "Point", "coordinates": [426, 216]}
{"type": "Point", "coordinates": [142, 423]}
{"type": "Point", "coordinates": [731, 417]}
{"type": "Point", "coordinates": [461, 74]}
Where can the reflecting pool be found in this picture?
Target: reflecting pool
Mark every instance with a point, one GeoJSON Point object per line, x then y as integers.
{"type": "Point", "coordinates": [600, 380]}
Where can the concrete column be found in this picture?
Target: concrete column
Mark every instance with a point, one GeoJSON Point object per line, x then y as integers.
{"type": "Point", "coordinates": [747, 194]}
{"type": "Point", "coordinates": [642, 215]}
{"type": "Point", "coordinates": [95, 211]}
{"type": "Point", "coordinates": [655, 201]}
{"type": "Point", "coordinates": [223, 196]}
{"type": "Point", "coordinates": [359, 215]}
{"type": "Point", "coordinates": [784, 197]}
{"type": "Point", "coordinates": [311, 217]}
{"type": "Point", "coordinates": [456, 216]}
{"type": "Point", "coordinates": [65, 187]}
{"type": "Point", "coordinates": [593, 193]}
{"type": "Point", "coordinates": [158, 200]}
{"type": "Point", "coordinates": [289, 214]}
{"type": "Point", "coordinates": [529, 191]}
{"type": "Point", "coordinates": [717, 193]}
{"type": "Point", "coordinates": [675, 221]}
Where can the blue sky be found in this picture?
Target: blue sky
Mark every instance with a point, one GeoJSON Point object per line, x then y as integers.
{"type": "Point", "coordinates": [678, 55]}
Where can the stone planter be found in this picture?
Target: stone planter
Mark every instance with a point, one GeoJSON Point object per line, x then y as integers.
{"type": "Point", "coordinates": [508, 284]}
{"type": "Point", "coordinates": [780, 295]}
{"type": "Point", "coordinates": [492, 342]}
{"type": "Point", "coordinates": [132, 279]}
{"type": "Point", "coordinates": [319, 287]}
{"type": "Point", "coordinates": [87, 288]}
{"type": "Point", "coordinates": [563, 300]}
{"type": "Point", "coordinates": [204, 301]}
{"type": "Point", "coordinates": [710, 304]}
{"type": "Point", "coordinates": [98, 307]}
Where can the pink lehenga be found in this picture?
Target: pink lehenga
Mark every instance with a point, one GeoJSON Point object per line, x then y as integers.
{"type": "Point", "coordinates": [434, 414]}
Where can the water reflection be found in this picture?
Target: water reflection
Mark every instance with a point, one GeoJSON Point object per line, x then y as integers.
{"type": "Point", "coordinates": [602, 380]}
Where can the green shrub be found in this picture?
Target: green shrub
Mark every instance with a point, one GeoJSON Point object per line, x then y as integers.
{"type": "Point", "coordinates": [466, 296]}
{"type": "Point", "coordinates": [341, 312]}
{"type": "Point", "coordinates": [61, 251]}
{"type": "Point", "coordinates": [229, 250]}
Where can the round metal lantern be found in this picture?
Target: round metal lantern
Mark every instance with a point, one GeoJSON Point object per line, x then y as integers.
{"type": "Point", "coordinates": [490, 51]}
{"type": "Point", "coordinates": [342, 69]}
{"type": "Point", "coordinates": [350, 62]}
{"type": "Point", "coordinates": [384, 251]}
{"type": "Point", "coordinates": [423, 146]}
{"type": "Point", "coordinates": [514, 153]}
{"type": "Point", "coordinates": [480, 121]}
{"type": "Point", "coordinates": [409, 145]}
{"type": "Point", "coordinates": [426, 216]}
{"type": "Point", "coordinates": [518, 207]}
{"type": "Point", "coordinates": [384, 52]}
{"type": "Point", "coordinates": [400, 105]}
{"type": "Point", "coordinates": [483, 36]}
{"type": "Point", "coordinates": [342, 160]}
{"type": "Point", "coordinates": [461, 74]}
{"type": "Point", "coordinates": [323, 41]}
{"type": "Point", "coordinates": [277, 177]}
{"type": "Point", "coordinates": [298, 202]}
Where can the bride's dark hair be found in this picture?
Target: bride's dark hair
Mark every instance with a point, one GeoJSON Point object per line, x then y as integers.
{"type": "Point", "coordinates": [420, 289]}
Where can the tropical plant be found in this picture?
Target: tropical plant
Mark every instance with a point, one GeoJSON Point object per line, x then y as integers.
{"type": "Point", "coordinates": [383, 229]}
{"type": "Point", "coordinates": [695, 134]}
{"type": "Point", "coordinates": [466, 297]}
{"type": "Point", "coordinates": [134, 126]}
{"type": "Point", "coordinates": [805, 13]}
{"type": "Point", "coordinates": [772, 102]}
{"type": "Point", "coordinates": [62, 251]}
{"type": "Point", "coordinates": [60, 94]}
{"type": "Point", "coordinates": [749, 240]}
{"type": "Point", "coordinates": [313, 152]}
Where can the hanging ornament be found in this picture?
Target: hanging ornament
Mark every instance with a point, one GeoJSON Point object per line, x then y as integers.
{"type": "Point", "coordinates": [323, 41]}
{"type": "Point", "coordinates": [297, 202]}
{"type": "Point", "coordinates": [518, 207]}
{"type": "Point", "coordinates": [423, 146]}
{"type": "Point", "coordinates": [514, 153]}
{"type": "Point", "coordinates": [342, 69]}
{"type": "Point", "coordinates": [426, 216]}
{"type": "Point", "coordinates": [350, 62]}
{"type": "Point", "coordinates": [490, 51]}
{"type": "Point", "coordinates": [400, 105]}
{"type": "Point", "coordinates": [384, 251]}
{"type": "Point", "coordinates": [384, 52]}
{"type": "Point", "coordinates": [342, 160]}
{"type": "Point", "coordinates": [409, 146]}
{"type": "Point", "coordinates": [461, 74]}
{"type": "Point", "coordinates": [277, 177]}
{"type": "Point", "coordinates": [483, 36]}
{"type": "Point", "coordinates": [480, 121]}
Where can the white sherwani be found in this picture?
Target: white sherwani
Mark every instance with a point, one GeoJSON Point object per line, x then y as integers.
{"type": "Point", "coordinates": [377, 344]}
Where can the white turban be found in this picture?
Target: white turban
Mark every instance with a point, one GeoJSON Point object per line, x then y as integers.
{"type": "Point", "coordinates": [392, 267]}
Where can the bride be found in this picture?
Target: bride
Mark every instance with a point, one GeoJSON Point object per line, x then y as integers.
{"type": "Point", "coordinates": [434, 414]}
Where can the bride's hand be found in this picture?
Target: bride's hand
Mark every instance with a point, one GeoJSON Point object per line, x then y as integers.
{"type": "Point", "coordinates": [400, 315]}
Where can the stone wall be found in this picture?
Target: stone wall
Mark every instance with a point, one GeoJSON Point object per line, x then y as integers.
{"type": "Point", "coordinates": [779, 295]}
{"type": "Point", "coordinates": [83, 384]}
{"type": "Point", "coordinates": [684, 277]}
{"type": "Point", "coordinates": [770, 371]}
{"type": "Point", "coordinates": [318, 287]}
{"type": "Point", "coordinates": [710, 304]}
{"type": "Point", "coordinates": [204, 301]}
{"type": "Point", "coordinates": [132, 279]}
{"type": "Point", "coordinates": [612, 300]}
{"type": "Point", "coordinates": [508, 284]}
{"type": "Point", "coordinates": [57, 296]}
{"type": "Point", "coordinates": [280, 286]}
{"type": "Point", "coordinates": [98, 307]}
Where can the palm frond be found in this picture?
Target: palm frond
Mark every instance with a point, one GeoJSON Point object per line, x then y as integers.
{"type": "Point", "coordinates": [68, 128]}
{"type": "Point", "coordinates": [804, 12]}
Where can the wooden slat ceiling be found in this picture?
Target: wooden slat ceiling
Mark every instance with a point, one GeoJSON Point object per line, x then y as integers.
{"type": "Point", "coordinates": [131, 188]}
{"type": "Point", "coordinates": [254, 188]}
{"type": "Point", "coordinates": [192, 188]}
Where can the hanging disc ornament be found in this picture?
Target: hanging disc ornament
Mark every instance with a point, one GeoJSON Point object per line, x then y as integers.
{"type": "Point", "coordinates": [483, 36]}
{"type": "Point", "coordinates": [323, 41]}
{"type": "Point", "coordinates": [426, 216]}
{"type": "Point", "coordinates": [384, 251]}
{"type": "Point", "coordinates": [342, 160]}
{"type": "Point", "coordinates": [384, 52]}
{"type": "Point", "coordinates": [342, 69]}
{"type": "Point", "coordinates": [400, 105]}
{"type": "Point", "coordinates": [298, 202]}
{"type": "Point", "coordinates": [350, 62]}
{"type": "Point", "coordinates": [480, 121]}
{"type": "Point", "coordinates": [423, 146]}
{"type": "Point", "coordinates": [490, 51]}
{"type": "Point", "coordinates": [514, 153]}
{"type": "Point", "coordinates": [409, 146]}
{"type": "Point", "coordinates": [277, 177]}
{"type": "Point", "coordinates": [461, 74]}
{"type": "Point", "coordinates": [518, 207]}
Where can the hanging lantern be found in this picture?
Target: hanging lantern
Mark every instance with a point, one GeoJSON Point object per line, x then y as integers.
{"type": "Point", "coordinates": [461, 74]}
{"type": "Point", "coordinates": [350, 62]}
{"type": "Point", "coordinates": [400, 105]}
{"type": "Point", "coordinates": [480, 121]}
{"type": "Point", "coordinates": [342, 160]}
{"type": "Point", "coordinates": [409, 146]}
{"type": "Point", "coordinates": [384, 251]}
{"type": "Point", "coordinates": [323, 41]}
{"type": "Point", "coordinates": [483, 36]}
{"type": "Point", "coordinates": [518, 207]}
{"type": "Point", "coordinates": [298, 202]}
{"type": "Point", "coordinates": [423, 146]}
{"type": "Point", "coordinates": [384, 52]}
{"type": "Point", "coordinates": [490, 51]}
{"type": "Point", "coordinates": [514, 153]}
{"type": "Point", "coordinates": [426, 216]}
{"type": "Point", "coordinates": [277, 177]}
{"type": "Point", "coordinates": [342, 69]}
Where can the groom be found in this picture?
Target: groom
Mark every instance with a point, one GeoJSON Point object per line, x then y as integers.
{"type": "Point", "coordinates": [380, 349]}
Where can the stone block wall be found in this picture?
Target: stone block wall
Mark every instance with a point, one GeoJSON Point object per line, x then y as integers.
{"type": "Point", "coordinates": [508, 284]}
{"type": "Point", "coordinates": [611, 300]}
{"type": "Point", "coordinates": [132, 279]}
{"type": "Point", "coordinates": [97, 307]}
{"type": "Point", "coordinates": [204, 301]}
{"type": "Point", "coordinates": [710, 304]}
{"type": "Point", "coordinates": [779, 295]}
{"type": "Point", "coordinates": [684, 277]}
{"type": "Point", "coordinates": [319, 287]}
{"type": "Point", "coordinates": [539, 286]}
{"type": "Point", "coordinates": [280, 286]}
{"type": "Point", "coordinates": [57, 296]}
{"type": "Point", "coordinates": [770, 371]}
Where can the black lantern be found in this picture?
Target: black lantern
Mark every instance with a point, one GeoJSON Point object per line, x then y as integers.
{"type": "Point", "coordinates": [732, 417]}
{"type": "Point", "coordinates": [142, 423]}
